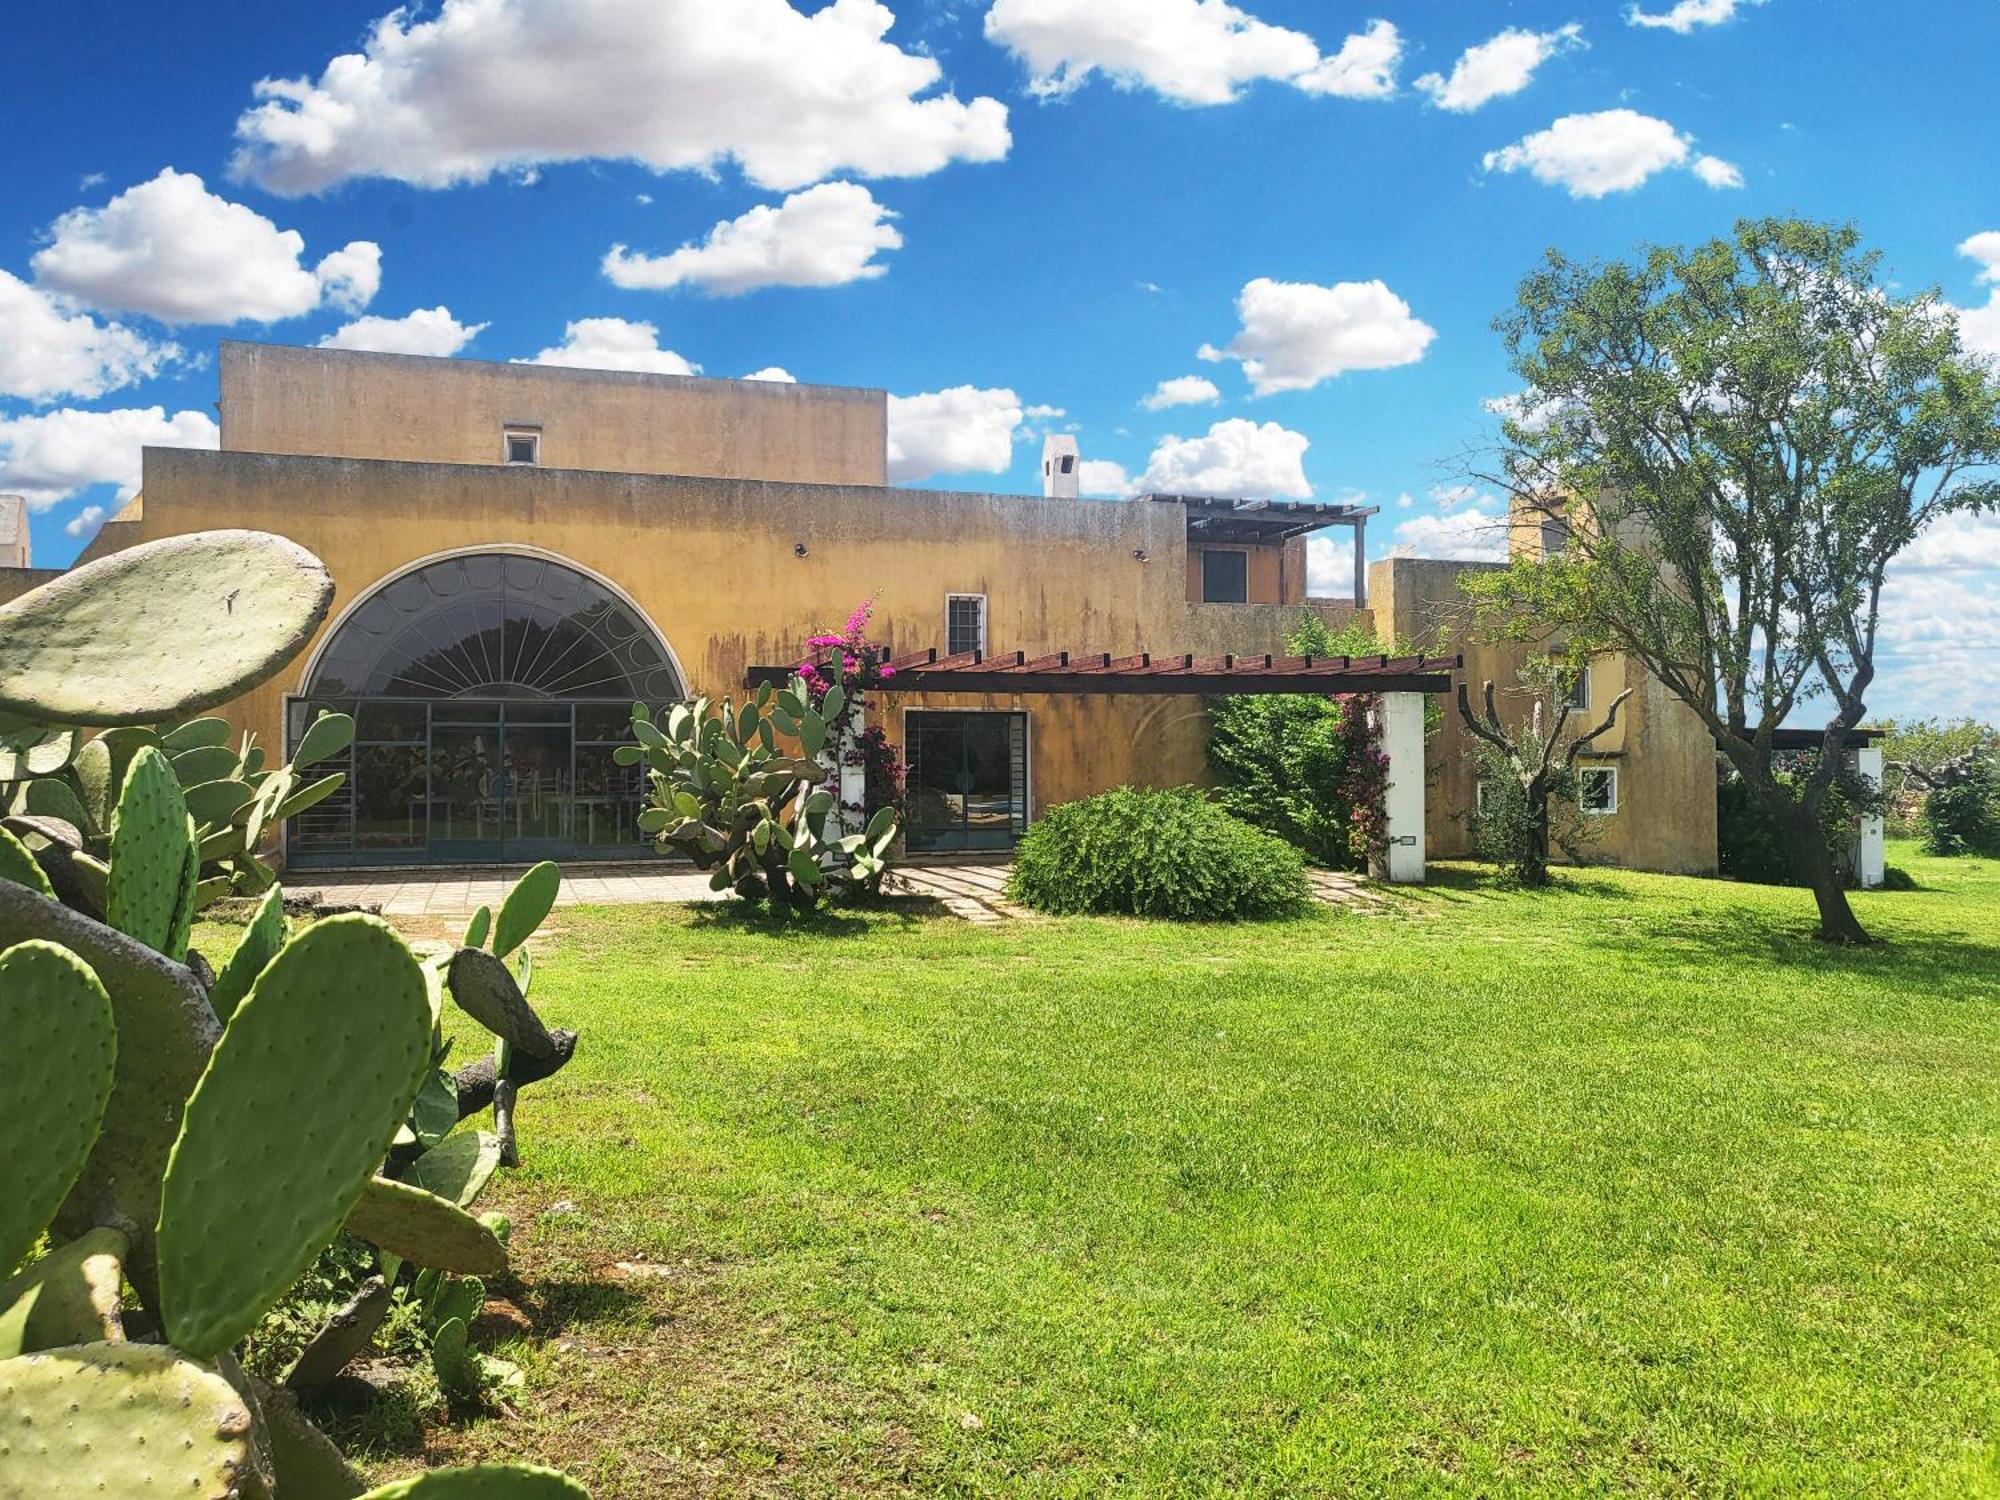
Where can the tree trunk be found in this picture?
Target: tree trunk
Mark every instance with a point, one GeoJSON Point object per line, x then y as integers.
{"type": "Point", "coordinates": [1837, 922]}
{"type": "Point", "coordinates": [1535, 857]}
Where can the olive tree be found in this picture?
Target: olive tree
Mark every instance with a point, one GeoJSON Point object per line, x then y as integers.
{"type": "Point", "coordinates": [1728, 445]}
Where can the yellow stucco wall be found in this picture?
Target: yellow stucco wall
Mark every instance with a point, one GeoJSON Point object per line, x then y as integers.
{"type": "Point", "coordinates": [1665, 759]}
{"type": "Point", "coordinates": [278, 399]}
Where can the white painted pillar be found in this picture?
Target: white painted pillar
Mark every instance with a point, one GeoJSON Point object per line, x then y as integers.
{"type": "Point", "coordinates": [1870, 860]}
{"type": "Point", "coordinates": [853, 778]}
{"type": "Point", "coordinates": [1401, 734]}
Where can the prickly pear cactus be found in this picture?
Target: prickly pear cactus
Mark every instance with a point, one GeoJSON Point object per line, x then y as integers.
{"type": "Point", "coordinates": [259, 944]}
{"type": "Point", "coordinates": [457, 1168]}
{"type": "Point", "coordinates": [484, 1482]}
{"type": "Point", "coordinates": [425, 1230]}
{"type": "Point", "coordinates": [531, 899]}
{"type": "Point", "coordinates": [256, 1187]}
{"type": "Point", "coordinates": [54, 1011]}
{"type": "Point", "coordinates": [148, 888]}
{"type": "Point", "coordinates": [18, 865]}
{"type": "Point", "coordinates": [127, 1420]}
{"type": "Point", "coordinates": [161, 630]}
{"type": "Point", "coordinates": [486, 990]}
{"type": "Point", "coordinates": [72, 1295]}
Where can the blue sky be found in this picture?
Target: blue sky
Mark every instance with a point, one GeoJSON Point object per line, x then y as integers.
{"type": "Point", "coordinates": [1011, 214]}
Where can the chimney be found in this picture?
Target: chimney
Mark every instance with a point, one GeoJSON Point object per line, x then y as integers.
{"type": "Point", "coordinates": [1060, 467]}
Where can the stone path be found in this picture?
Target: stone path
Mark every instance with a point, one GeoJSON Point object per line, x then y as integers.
{"type": "Point", "coordinates": [973, 888]}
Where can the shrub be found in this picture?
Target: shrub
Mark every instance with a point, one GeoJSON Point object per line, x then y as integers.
{"type": "Point", "coordinates": [1961, 812]}
{"type": "Point", "coordinates": [1751, 844]}
{"type": "Point", "coordinates": [1152, 853]}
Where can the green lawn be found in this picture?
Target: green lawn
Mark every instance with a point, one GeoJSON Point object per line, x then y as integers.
{"type": "Point", "coordinates": [1624, 1188]}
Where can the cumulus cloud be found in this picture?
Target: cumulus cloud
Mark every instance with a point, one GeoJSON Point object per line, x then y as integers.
{"type": "Point", "coordinates": [1236, 457]}
{"type": "Point", "coordinates": [427, 330]}
{"type": "Point", "coordinates": [49, 350]}
{"type": "Point", "coordinates": [172, 250]}
{"type": "Point", "coordinates": [1960, 542]}
{"type": "Point", "coordinates": [84, 521]}
{"type": "Point", "coordinates": [616, 344]}
{"type": "Point", "coordinates": [1612, 151]}
{"type": "Point", "coordinates": [778, 374]}
{"type": "Point", "coordinates": [1296, 334]}
{"type": "Point", "coordinates": [53, 455]}
{"type": "Point", "coordinates": [1939, 633]}
{"type": "Point", "coordinates": [1978, 327]}
{"type": "Point", "coordinates": [1189, 51]}
{"type": "Point", "coordinates": [1686, 15]}
{"type": "Point", "coordinates": [486, 86]}
{"type": "Point", "coordinates": [1100, 478]}
{"type": "Point", "coordinates": [1182, 390]}
{"type": "Point", "coordinates": [1470, 528]}
{"type": "Point", "coordinates": [961, 430]}
{"type": "Point", "coordinates": [1499, 67]}
{"type": "Point", "coordinates": [825, 236]}
{"type": "Point", "coordinates": [1363, 68]}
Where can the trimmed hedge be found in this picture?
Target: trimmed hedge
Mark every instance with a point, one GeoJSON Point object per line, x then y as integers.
{"type": "Point", "coordinates": [1145, 853]}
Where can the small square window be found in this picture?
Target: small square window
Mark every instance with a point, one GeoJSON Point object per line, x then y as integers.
{"type": "Point", "coordinates": [964, 623]}
{"type": "Point", "coordinates": [523, 445]}
{"type": "Point", "coordinates": [1225, 577]}
{"type": "Point", "coordinates": [1555, 536]}
{"type": "Point", "coordinates": [1597, 790]}
{"type": "Point", "coordinates": [1579, 689]}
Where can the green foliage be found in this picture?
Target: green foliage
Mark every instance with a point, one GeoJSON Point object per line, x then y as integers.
{"type": "Point", "coordinates": [1964, 817]}
{"type": "Point", "coordinates": [764, 820]}
{"type": "Point", "coordinates": [1913, 749]}
{"type": "Point", "coordinates": [1753, 844]}
{"type": "Point", "coordinates": [532, 898]}
{"type": "Point", "coordinates": [1503, 823]}
{"type": "Point", "coordinates": [1150, 853]}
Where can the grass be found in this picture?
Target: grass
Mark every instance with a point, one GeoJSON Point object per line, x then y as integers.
{"type": "Point", "coordinates": [1625, 1188]}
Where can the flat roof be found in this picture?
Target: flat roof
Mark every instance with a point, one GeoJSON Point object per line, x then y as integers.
{"type": "Point", "coordinates": [1219, 518]}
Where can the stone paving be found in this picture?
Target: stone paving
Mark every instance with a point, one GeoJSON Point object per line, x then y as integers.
{"type": "Point", "coordinates": [973, 888]}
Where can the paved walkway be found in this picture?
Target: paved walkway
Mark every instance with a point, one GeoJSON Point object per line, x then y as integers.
{"type": "Point", "coordinates": [971, 887]}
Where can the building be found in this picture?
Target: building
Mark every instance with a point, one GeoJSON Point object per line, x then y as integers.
{"type": "Point", "coordinates": [16, 547]}
{"type": "Point", "coordinates": [519, 551]}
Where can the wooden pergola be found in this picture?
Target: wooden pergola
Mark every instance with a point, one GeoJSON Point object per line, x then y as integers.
{"type": "Point", "coordinates": [1142, 672]}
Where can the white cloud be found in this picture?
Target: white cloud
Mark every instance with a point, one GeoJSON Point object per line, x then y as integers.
{"type": "Point", "coordinates": [825, 236]}
{"type": "Point", "coordinates": [172, 250]}
{"type": "Point", "coordinates": [1939, 635]}
{"type": "Point", "coordinates": [48, 350]}
{"type": "Point", "coordinates": [1499, 67]}
{"type": "Point", "coordinates": [1716, 172]}
{"type": "Point", "coordinates": [486, 86]}
{"type": "Point", "coordinates": [1612, 151]}
{"type": "Point", "coordinates": [1189, 51]}
{"type": "Point", "coordinates": [1100, 478]}
{"type": "Point", "coordinates": [1686, 15]}
{"type": "Point", "coordinates": [1363, 68]}
{"type": "Point", "coordinates": [962, 430]}
{"type": "Point", "coordinates": [1182, 390]}
{"type": "Point", "coordinates": [51, 456]}
{"type": "Point", "coordinates": [1237, 458]}
{"type": "Point", "coordinates": [1959, 542]}
{"type": "Point", "coordinates": [84, 521]}
{"type": "Point", "coordinates": [777, 374]}
{"type": "Point", "coordinates": [1978, 327]}
{"type": "Point", "coordinates": [615, 344]}
{"type": "Point", "coordinates": [1330, 565]}
{"type": "Point", "coordinates": [1473, 530]}
{"type": "Point", "coordinates": [427, 330]}
{"type": "Point", "coordinates": [1296, 334]}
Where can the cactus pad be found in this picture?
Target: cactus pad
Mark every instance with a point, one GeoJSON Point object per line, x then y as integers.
{"type": "Point", "coordinates": [56, 1030]}
{"type": "Point", "coordinates": [30, 749]}
{"type": "Point", "coordinates": [532, 898]}
{"type": "Point", "coordinates": [72, 1295]}
{"type": "Point", "coordinates": [18, 864]}
{"type": "Point", "coordinates": [131, 1420]}
{"type": "Point", "coordinates": [255, 1187]}
{"type": "Point", "coordinates": [457, 1168]}
{"type": "Point", "coordinates": [195, 733]}
{"type": "Point", "coordinates": [149, 853]}
{"type": "Point", "coordinates": [259, 944]}
{"type": "Point", "coordinates": [485, 989]}
{"type": "Point", "coordinates": [426, 1230]}
{"type": "Point", "coordinates": [160, 630]}
{"type": "Point", "coordinates": [484, 1482]}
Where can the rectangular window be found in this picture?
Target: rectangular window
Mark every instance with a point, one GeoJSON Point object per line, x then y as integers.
{"type": "Point", "coordinates": [523, 445]}
{"type": "Point", "coordinates": [964, 623]}
{"type": "Point", "coordinates": [1225, 577]}
{"type": "Point", "coordinates": [1579, 689]}
{"type": "Point", "coordinates": [1555, 536]}
{"type": "Point", "coordinates": [1597, 790]}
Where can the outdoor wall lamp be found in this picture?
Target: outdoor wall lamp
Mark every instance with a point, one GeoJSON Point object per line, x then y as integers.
{"type": "Point", "coordinates": [1139, 554]}
{"type": "Point", "coordinates": [798, 549]}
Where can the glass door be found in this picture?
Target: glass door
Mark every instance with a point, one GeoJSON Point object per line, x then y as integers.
{"type": "Point", "coordinates": [537, 792]}
{"type": "Point", "coordinates": [967, 780]}
{"type": "Point", "coordinates": [468, 782]}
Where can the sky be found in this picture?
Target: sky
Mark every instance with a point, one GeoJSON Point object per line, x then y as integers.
{"type": "Point", "coordinates": [1245, 248]}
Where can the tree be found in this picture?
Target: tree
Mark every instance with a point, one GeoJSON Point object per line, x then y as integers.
{"type": "Point", "coordinates": [1539, 772]}
{"type": "Point", "coordinates": [1728, 444]}
{"type": "Point", "coordinates": [1961, 811]}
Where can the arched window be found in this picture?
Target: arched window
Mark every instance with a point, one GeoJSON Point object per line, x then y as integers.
{"type": "Point", "coordinates": [489, 690]}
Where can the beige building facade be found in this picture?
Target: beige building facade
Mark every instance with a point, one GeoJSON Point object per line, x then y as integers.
{"type": "Point", "coordinates": [518, 551]}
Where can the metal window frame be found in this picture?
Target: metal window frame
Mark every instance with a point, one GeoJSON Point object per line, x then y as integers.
{"type": "Point", "coordinates": [949, 598]}
{"type": "Point", "coordinates": [1610, 772]}
{"type": "Point", "coordinates": [511, 430]}
{"type": "Point", "coordinates": [1222, 549]}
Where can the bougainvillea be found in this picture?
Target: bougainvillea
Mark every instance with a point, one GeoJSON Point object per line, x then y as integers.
{"type": "Point", "coordinates": [1364, 784]}
{"type": "Point", "coordinates": [866, 746]}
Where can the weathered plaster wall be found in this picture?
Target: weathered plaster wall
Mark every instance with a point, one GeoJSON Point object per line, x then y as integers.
{"type": "Point", "coordinates": [1665, 760]}
{"type": "Point", "coordinates": [278, 399]}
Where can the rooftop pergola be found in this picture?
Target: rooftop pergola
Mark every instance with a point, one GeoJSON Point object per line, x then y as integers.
{"type": "Point", "coordinates": [1400, 682]}
{"type": "Point", "coordinates": [1274, 521]}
